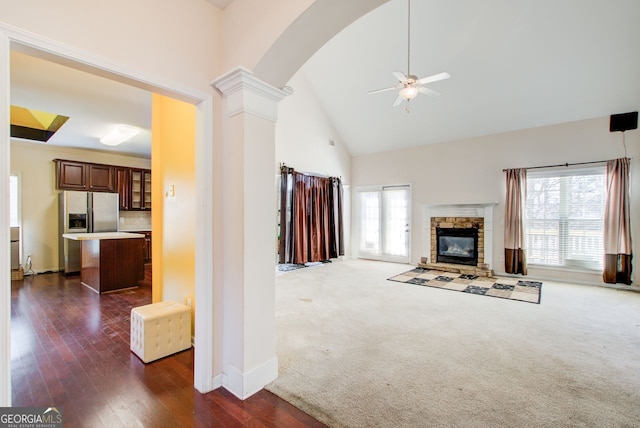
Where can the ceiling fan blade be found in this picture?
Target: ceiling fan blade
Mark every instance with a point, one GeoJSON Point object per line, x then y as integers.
{"type": "Point", "coordinates": [383, 90]}
{"type": "Point", "coordinates": [398, 101]}
{"type": "Point", "coordinates": [400, 76]}
{"type": "Point", "coordinates": [435, 78]}
{"type": "Point", "coordinates": [428, 91]}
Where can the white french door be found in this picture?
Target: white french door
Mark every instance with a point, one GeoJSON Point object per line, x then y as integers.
{"type": "Point", "coordinates": [384, 229]}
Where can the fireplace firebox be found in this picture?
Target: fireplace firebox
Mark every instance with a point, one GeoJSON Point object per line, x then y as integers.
{"type": "Point", "coordinates": [457, 245]}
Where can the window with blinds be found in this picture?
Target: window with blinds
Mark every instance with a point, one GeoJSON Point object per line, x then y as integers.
{"type": "Point", "coordinates": [14, 220]}
{"type": "Point", "coordinates": [564, 218]}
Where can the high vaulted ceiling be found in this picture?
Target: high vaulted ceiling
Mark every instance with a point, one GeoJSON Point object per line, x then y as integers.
{"type": "Point", "coordinates": [514, 64]}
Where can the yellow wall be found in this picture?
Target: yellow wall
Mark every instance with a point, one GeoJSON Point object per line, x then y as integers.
{"type": "Point", "coordinates": [173, 217]}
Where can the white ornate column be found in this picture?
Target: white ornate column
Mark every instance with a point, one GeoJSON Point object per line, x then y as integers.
{"type": "Point", "coordinates": [247, 209]}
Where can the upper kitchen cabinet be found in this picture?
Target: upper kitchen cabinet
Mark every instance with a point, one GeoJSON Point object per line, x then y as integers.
{"type": "Point", "coordinates": [140, 189]}
{"type": "Point", "coordinates": [73, 175]}
{"type": "Point", "coordinates": [123, 186]}
{"type": "Point", "coordinates": [132, 184]}
{"type": "Point", "coordinates": [101, 178]}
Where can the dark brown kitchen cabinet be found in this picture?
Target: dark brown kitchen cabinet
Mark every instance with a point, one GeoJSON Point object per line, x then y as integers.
{"type": "Point", "coordinates": [147, 244]}
{"type": "Point", "coordinates": [74, 175]}
{"type": "Point", "coordinates": [132, 184]}
{"type": "Point", "coordinates": [146, 178]}
{"type": "Point", "coordinates": [140, 189]}
{"type": "Point", "coordinates": [112, 264]}
{"type": "Point", "coordinates": [123, 186]}
{"type": "Point", "coordinates": [100, 178]}
{"type": "Point", "coordinates": [71, 175]}
{"type": "Point", "coordinates": [147, 247]}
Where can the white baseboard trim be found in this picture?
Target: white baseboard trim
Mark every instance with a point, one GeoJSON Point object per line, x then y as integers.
{"type": "Point", "coordinates": [217, 381]}
{"type": "Point", "coordinates": [552, 278]}
{"type": "Point", "coordinates": [244, 385]}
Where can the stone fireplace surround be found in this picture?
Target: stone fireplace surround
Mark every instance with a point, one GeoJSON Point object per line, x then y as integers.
{"type": "Point", "coordinates": [460, 216]}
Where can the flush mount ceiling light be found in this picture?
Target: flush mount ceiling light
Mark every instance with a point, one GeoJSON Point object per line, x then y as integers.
{"type": "Point", "coordinates": [409, 85]}
{"type": "Point", "coordinates": [119, 135]}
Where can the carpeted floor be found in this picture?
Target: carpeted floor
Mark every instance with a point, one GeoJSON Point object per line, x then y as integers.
{"type": "Point", "coordinates": [356, 350]}
{"type": "Point", "coordinates": [504, 288]}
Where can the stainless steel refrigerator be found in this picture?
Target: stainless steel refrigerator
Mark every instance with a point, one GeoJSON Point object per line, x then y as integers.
{"type": "Point", "coordinates": [83, 212]}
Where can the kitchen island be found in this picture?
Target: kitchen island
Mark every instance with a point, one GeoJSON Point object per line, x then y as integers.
{"type": "Point", "coordinates": [110, 260]}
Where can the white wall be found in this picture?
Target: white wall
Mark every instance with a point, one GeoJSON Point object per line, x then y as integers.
{"type": "Point", "coordinates": [303, 132]}
{"type": "Point", "coordinates": [177, 43]}
{"type": "Point", "coordinates": [470, 171]}
{"type": "Point", "coordinates": [33, 163]}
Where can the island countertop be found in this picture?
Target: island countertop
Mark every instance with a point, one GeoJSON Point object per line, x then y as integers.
{"type": "Point", "coordinates": [101, 236]}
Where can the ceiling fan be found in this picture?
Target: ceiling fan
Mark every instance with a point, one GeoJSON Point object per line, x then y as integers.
{"type": "Point", "coordinates": [410, 85]}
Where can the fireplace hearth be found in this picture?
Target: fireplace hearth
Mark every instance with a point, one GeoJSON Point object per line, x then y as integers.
{"type": "Point", "coordinates": [457, 245]}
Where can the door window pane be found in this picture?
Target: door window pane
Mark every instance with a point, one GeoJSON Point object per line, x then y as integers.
{"type": "Point", "coordinates": [396, 207]}
{"type": "Point", "coordinates": [370, 223]}
{"type": "Point", "coordinates": [384, 217]}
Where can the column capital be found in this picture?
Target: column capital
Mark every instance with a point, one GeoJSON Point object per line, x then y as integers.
{"type": "Point", "coordinates": [245, 93]}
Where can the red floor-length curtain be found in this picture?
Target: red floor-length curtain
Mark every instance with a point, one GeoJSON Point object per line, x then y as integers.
{"type": "Point", "coordinates": [320, 218]}
{"type": "Point", "coordinates": [617, 224]}
{"type": "Point", "coordinates": [311, 227]}
{"type": "Point", "coordinates": [514, 254]}
{"type": "Point", "coordinates": [300, 218]}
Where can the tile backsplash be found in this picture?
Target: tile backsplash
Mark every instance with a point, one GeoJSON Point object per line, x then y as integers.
{"type": "Point", "coordinates": [132, 220]}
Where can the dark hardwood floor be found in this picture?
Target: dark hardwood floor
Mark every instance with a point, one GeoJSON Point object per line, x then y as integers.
{"type": "Point", "coordinates": [70, 349]}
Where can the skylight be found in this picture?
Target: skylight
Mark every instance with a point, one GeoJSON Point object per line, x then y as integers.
{"type": "Point", "coordinates": [33, 124]}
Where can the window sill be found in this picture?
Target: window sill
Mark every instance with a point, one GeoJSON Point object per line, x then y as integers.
{"type": "Point", "coordinates": [565, 269]}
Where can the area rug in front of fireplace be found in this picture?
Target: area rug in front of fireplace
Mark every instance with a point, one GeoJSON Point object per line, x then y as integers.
{"type": "Point", "coordinates": [504, 288]}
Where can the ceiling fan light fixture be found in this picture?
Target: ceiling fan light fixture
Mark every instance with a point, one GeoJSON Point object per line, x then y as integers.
{"type": "Point", "coordinates": [408, 92]}
{"type": "Point", "coordinates": [409, 85]}
{"type": "Point", "coordinates": [119, 135]}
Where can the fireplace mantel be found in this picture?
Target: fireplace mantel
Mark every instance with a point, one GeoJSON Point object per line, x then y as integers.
{"type": "Point", "coordinates": [484, 210]}
{"type": "Point", "coordinates": [459, 210]}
